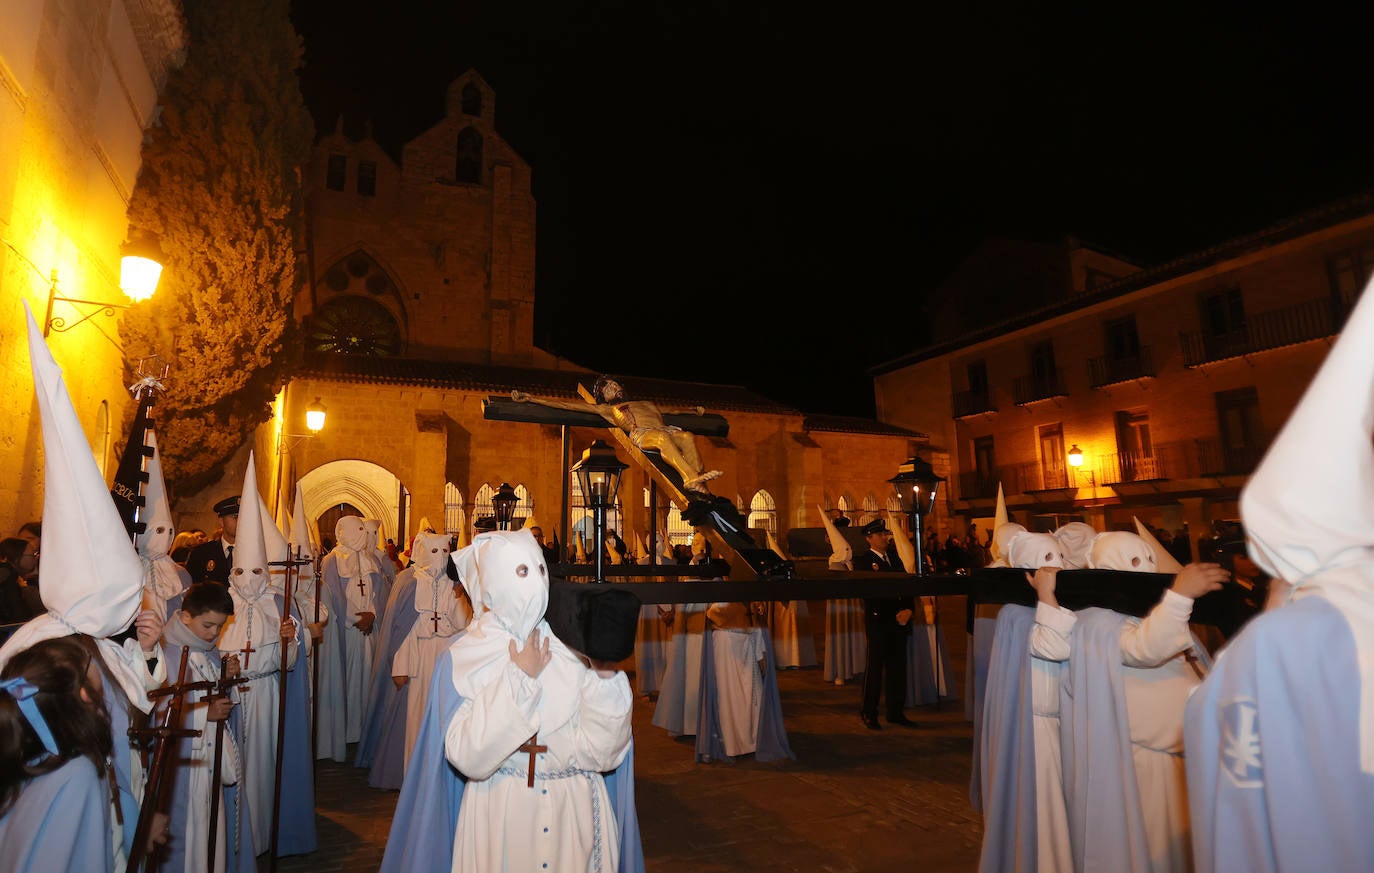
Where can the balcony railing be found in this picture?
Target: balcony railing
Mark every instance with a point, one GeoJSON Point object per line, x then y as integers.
{"type": "Point", "coordinates": [1299, 323]}
{"type": "Point", "coordinates": [972, 403]}
{"type": "Point", "coordinates": [1029, 389]}
{"type": "Point", "coordinates": [1186, 459]}
{"type": "Point", "coordinates": [1108, 370]}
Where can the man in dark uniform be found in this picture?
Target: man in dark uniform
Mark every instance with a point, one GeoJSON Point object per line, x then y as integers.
{"type": "Point", "coordinates": [887, 622]}
{"type": "Point", "coordinates": [211, 560]}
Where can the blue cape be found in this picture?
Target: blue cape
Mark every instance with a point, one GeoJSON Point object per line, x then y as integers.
{"type": "Point", "coordinates": [772, 742]}
{"type": "Point", "coordinates": [1007, 742]}
{"type": "Point", "coordinates": [382, 746]}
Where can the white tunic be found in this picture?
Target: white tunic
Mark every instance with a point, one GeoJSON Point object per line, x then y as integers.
{"type": "Point", "coordinates": [738, 648]}
{"type": "Point", "coordinates": [425, 642]}
{"type": "Point", "coordinates": [679, 697]}
{"type": "Point", "coordinates": [1158, 681]}
{"type": "Point", "coordinates": [563, 824]}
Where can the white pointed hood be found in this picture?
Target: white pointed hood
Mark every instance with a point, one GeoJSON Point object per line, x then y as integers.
{"type": "Point", "coordinates": [514, 583]}
{"type": "Point", "coordinates": [1165, 562]}
{"type": "Point", "coordinates": [841, 552]}
{"type": "Point", "coordinates": [277, 551]}
{"type": "Point", "coordinates": [1075, 541]}
{"type": "Point", "coordinates": [250, 577]}
{"type": "Point", "coordinates": [163, 579]}
{"type": "Point", "coordinates": [906, 550]}
{"type": "Point", "coordinates": [300, 528]}
{"type": "Point", "coordinates": [433, 589]}
{"type": "Point", "coordinates": [999, 518]}
{"type": "Point", "coordinates": [1308, 510]}
{"type": "Point", "coordinates": [774, 545]}
{"type": "Point", "coordinates": [1122, 550]}
{"type": "Point", "coordinates": [91, 577]}
{"type": "Point", "coordinates": [354, 555]}
{"type": "Point", "coordinates": [1002, 536]}
{"type": "Point", "coordinates": [1031, 551]}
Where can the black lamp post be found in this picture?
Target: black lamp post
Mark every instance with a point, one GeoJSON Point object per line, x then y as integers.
{"type": "Point", "coordinates": [916, 485]}
{"type": "Point", "coordinates": [598, 474]}
{"type": "Point", "coordinates": [503, 503]}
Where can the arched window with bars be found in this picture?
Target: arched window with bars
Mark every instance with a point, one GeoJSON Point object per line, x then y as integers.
{"type": "Point", "coordinates": [454, 514]}
{"type": "Point", "coordinates": [482, 507]}
{"type": "Point", "coordinates": [524, 508]}
{"type": "Point", "coordinates": [763, 512]}
{"type": "Point", "coordinates": [580, 518]}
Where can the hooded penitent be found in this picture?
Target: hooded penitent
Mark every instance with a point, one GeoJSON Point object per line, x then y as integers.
{"type": "Point", "coordinates": [355, 554]}
{"type": "Point", "coordinates": [1031, 551]}
{"type": "Point", "coordinates": [1001, 542]}
{"type": "Point", "coordinates": [841, 552]}
{"type": "Point", "coordinates": [163, 581]}
{"type": "Point", "coordinates": [1165, 562]}
{"type": "Point", "coordinates": [300, 528]}
{"type": "Point", "coordinates": [1308, 511]}
{"type": "Point", "coordinates": [515, 582]}
{"type": "Point", "coordinates": [256, 616]}
{"type": "Point", "coordinates": [1075, 542]}
{"type": "Point", "coordinates": [1122, 550]}
{"type": "Point", "coordinates": [92, 579]}
{"type": "Point", "coordinates": [434, 594]}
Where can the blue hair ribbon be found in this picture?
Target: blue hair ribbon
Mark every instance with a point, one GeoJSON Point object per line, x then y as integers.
{"type": "Point", "coordinates": [22, 690]}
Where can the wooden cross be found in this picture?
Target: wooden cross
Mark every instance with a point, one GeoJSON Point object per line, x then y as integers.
{"type": "Point", "coordinates": [532, 746]}
{"type": "Point", "coordinates": [362, 588]}
{"type": "Point", "coordinates": [435, 618]}
{"type": "Point", "coordinates": [247, 650]}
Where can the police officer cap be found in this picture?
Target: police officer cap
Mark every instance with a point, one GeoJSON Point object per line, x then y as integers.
{"type": "Point", "coordinates": [227, 506]}
{"type": "Point", "coordinates": [877, 525]}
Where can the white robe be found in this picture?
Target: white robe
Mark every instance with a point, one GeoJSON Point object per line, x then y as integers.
{"type": "Point", "coordinates": [679, 698]}
{"type": "Point", "coordinates": [424, 644]}
{"type": "Point", "coordinates": [794, 642]}
{"type": "Point", "coordinates": [1158, 681]}
{"type": "Point", "coordinates": [738, 648]}
{"type": "Point", "coordinates": [1049, 647]}
{"type": "Point", "coordinates": [564, 823]}
{"type": "Point", "coordinates": [258, 703]}
{"type": "Point", "coordinates": [356, 646]}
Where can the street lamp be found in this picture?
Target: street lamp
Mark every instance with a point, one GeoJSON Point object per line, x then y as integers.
{"type": "Point", "coordinates": [598, 474]}
{"type": "Point", "coordinates": [1076, 461]}
{"type": "Point", "coordinates": [138, 277]}
{"type": "Point", "coordinates": [503, 503]}
{"type": "Point", "coordinates": [916, 485]}
{"type": "Point", "coordinates": [314, 416]}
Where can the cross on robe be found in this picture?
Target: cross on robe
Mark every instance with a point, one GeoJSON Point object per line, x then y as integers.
{"type": "Point", "coordinates": [435, 618]}
{"type": "Point", "coordinates": [362, 587]}
{"type": "Point", "coordinates": [532, 746]}
{"type": "Point", "coordinates": [247, 650]}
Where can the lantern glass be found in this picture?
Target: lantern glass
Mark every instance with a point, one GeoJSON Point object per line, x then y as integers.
{"type": "Point", "coordinates": [314, 416]}
{"type": "Point", "coordinates": [503, 503]}
{"type": "Point", "coordinates": [1075, 456]}
{"type": "Point", "coordinates": [916, 486]}
{"type": "Point", "coordinates": [598, 474]}
{"type": "Point", "coordinates": [138, 277]}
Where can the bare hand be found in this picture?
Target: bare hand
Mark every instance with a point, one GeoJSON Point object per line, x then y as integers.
{"type": "Point", "coordinates": [532, 658]}
{"type": "Point", "coordinates": [903, 616]}
{"type": "Point", "coordinates": [701, 410]}
{"type": "Point", "coordinates": [219, 709]}
{"type": "Point", "coordinates": [158, 832]}
{"type": "Point", "coordinates": [1043, 582]}
{"type": "Point", "coordinates": [667, 616]}
{"type": "Point", "coordinates": [364, 622]}
{"type": "Point", "coordinates": [149, 625]}
{"type": "Point", "coordinates": [287, 631]}
{"type": "Point", "coordinates": [1195, 580]}
{"type": "Point", "coordinates": [519, 396]}
{"type": "Point", "coordinates": [400, 681]}
{"type": "Point", "coordinates": [316, 630]}
{"type": "Point", "coordinates": [231, 667]}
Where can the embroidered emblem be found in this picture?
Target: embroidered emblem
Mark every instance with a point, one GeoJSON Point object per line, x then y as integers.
{"type": "Point", "coordinates": [209, 566]}
{"type": "Point", "coordinates": [1241, 744]}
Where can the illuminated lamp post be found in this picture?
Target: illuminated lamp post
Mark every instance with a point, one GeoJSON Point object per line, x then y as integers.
{"type": "Point", "coordinates": [598, 474]}
{"type": "Point", "coordinates": [916, 486]}
{"type": "Point", "coordinates": [503, 503]}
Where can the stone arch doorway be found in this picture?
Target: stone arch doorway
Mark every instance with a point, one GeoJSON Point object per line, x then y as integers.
{"type": "Point", "coordinates": [352, 487]}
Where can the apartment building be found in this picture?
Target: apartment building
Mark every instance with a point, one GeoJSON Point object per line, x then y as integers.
{"type": "Point", "coordinates": [1137, 393]}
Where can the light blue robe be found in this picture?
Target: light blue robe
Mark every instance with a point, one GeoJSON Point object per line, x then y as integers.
{"type": "Point", "coordinates": [771, 743]}
{"type": "Point", "coordinates": [382, 747]}
{"type": "Point", "coordinates": [296, 832]}
{"type": "Point", "coordinates": [61, 821]}
{"type": "Point", "coordinates": [426, 817]}
{"type": "Point", "coordinates": [1272, 734]}
{"type": "Point", "coordinates": [979, 657]}
{"type": "Point", "coordinates": [1007, 740]}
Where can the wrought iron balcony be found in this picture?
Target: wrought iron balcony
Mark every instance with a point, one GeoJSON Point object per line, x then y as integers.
{"type": "Point", "coordinates": [978, 485]}
{"type": "Point", "coordinates": [1290, 325]}
{"type": "Point", "coordinates": [968, 403]}
{"type": "Point", "coordinates": [1031, 389]}
{"type": "Point", "coordinates": [1108, 370]}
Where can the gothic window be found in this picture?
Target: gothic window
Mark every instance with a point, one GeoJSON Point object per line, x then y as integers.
{"type": "Point", "coordinates": [524, 507]}
{"type": "Point", "coordinates": [472, 100]}
{"type": "Point", "coordinates": [469, 168]}
{"type": "Point", "coordinates": [482, 507]}
{"type": "Point", "coordinates": [367, 178]}
{"type": "Point", "coordinates": [453, 509]}
{"type": "Point", "coordinates": [763, 512]}
{"type": "Point", "coordinates": [679, 531]}
{"type": "Point", "coordinates": [354, 326]}
{"type": "Point", "coordinates": [337, 174]}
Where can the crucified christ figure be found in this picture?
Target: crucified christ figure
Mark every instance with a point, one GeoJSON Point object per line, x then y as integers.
{"type": "Point", "coordinates": [643, 421]}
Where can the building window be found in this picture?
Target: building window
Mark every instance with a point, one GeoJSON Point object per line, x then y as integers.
{"type": "Point", "coordinates": [453, 509]}
{"type": "Point", "coordinates": [1135, 451]}
{"type": "Point", "coordinates": [978, 378]}
{"type": "Point", "coordinates": [1349, 272]}
{"type": "Point", "coordinates": [472, 100]}
{"type": "Point", "coordinates": [1223, 322]}
{"type": "Point", "coordinates": [1241, 429]}
{"type": "Point", "coordinates": [336, 177]}
{"type": "Point", "coordinates": [1051, 440]}
{"type": "Point", "coordinates": [984, 462]}
{"type": "Point", "coordinates": [763, 512]}
{"type": "Point", "coordinates": [353, 325]}
{"type": "Point", "coordinates": [469, 167]}
{"type": "Point", "coordinates": [367, 178]}
{"type": "Point", "coordinates": [524, 507]}
{"type": "Point", "coordinates": [1123, 343]}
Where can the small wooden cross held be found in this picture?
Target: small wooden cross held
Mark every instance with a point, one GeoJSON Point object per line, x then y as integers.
{"type": "Point", "coordinates": [532, 746]}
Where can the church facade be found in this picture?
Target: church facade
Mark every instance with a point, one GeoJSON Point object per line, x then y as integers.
{"type": "Point", "coordinates": [420, 307]}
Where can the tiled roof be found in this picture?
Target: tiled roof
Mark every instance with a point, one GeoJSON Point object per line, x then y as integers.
{"type": "Point", "coordinates": [1292, 227]}
{"type": "Point", "coordinates": [492, 379]}
{"type": "Point", "coordinates": [849, 424]}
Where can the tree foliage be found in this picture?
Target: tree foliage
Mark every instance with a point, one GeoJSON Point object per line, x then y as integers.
{"type": "Point", "coordinates": [220, 188]}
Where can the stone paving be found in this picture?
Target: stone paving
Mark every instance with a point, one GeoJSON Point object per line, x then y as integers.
{"type": "Point", "coordinates": [853, 800]}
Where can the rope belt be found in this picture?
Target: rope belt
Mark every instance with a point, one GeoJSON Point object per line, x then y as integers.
{"type": "Point", "coordinates": [569, 773]}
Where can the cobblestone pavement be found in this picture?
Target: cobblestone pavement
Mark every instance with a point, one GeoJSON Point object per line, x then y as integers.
{"type": "Point", "coordinates": [853, 800]}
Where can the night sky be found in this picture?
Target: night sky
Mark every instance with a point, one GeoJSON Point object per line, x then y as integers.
{"type": "Point", "coordinates": [750, 194]}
